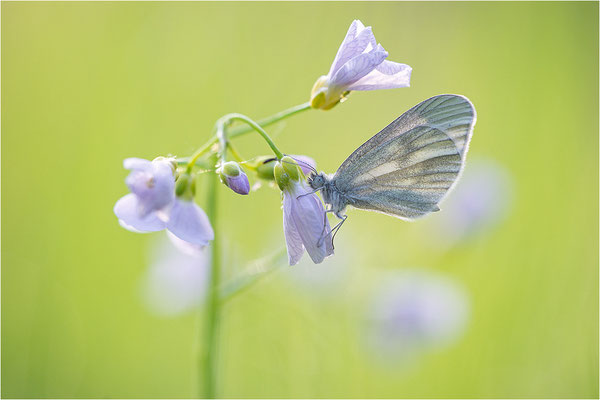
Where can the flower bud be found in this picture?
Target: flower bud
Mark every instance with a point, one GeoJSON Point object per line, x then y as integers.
{"type": "Point", "coordinates": [264, 167]}
{"type": "Point", "coordinates": [234, 177]}
{"type": "Point", "coordinates": [185, 186]}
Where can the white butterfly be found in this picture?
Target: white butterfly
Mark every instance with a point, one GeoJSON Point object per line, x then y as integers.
{"type": "Point", "coordinates": [406, 169]}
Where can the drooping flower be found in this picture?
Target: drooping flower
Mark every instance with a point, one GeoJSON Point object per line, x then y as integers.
{"type": "Point", "coordinates": [360, 64]}
{"type": "Point", "coordinates": [156, 206]}
{"type": "Point", "coordinates": [234, 177]}
{"type": "Point", "coordinates": [305, 224]}
{"type": "Point", "coordinates": [415, 311]}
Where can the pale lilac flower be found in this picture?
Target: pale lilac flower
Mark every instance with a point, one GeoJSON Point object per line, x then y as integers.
{"type": "Point", "coordinates": [176, 282]}
{"type": "Point", "coordinates": [414, 311]}
{"type": "Point", "coordinates": [304, 221]}
{"type": "Point", "coordinates": [152, 182]}
{"type": "Point", "coordinates": [305, 225]}
{"type": "Point", "coordinates": [155, 207]}
{"type": "Point", "coordinates": [360, 64]}
{"type": "Point", "coordinates": [234, 177]}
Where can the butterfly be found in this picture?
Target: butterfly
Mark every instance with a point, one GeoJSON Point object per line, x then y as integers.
{"type": "Point", "coordinates": [407, 168]}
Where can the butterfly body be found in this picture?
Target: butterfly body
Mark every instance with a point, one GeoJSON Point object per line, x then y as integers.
{"type": "Point", "coordinates": [331, 195]}
{"type": "Point", "coordinates": [407, 168]}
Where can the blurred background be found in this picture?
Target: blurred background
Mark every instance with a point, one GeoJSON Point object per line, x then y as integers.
{"type": "Point", "coordinates": [495, 296]}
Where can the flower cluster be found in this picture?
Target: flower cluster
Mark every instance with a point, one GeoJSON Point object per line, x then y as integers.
{"type": "Point", "coordinates": [163, 190]}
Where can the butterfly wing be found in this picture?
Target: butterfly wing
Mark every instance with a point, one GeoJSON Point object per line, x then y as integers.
{"type": "Point", "coordinates": [411, 175]}
{"type": "Point", "coordinates": [450, 113]}
{"type": "Point", "coordinates": [407, 168]}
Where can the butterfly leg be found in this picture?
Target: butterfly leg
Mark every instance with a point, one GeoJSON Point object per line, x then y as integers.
{"type": "Point", "coordinates": [337, 228]}
{"type": "Point", "coordinates": [323, 235]}
{"type": "Point", "coordinates": [333, 231]}
{"type": "Point", "coordinates": [306, 194]}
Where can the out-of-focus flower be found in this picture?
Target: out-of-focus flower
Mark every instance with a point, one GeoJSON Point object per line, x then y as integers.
{"type": "Point", "coordinates": [304, 221]}
{"type": "Point", "coordinates": [176, 281]}
{"type": "Point", "coordinates": [479, 202]}
{"type": "Point", "coordinates": [153, 205]}
{"type": "Point", "coordinates": [234, 177]}
{"type": "Point", "coordinates": [360, 64]}
{"type": "Point", "coordinates": [414, 311]}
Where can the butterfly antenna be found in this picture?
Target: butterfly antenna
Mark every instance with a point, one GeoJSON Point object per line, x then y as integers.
{"type": "Point", "coordinates": [298, 162]}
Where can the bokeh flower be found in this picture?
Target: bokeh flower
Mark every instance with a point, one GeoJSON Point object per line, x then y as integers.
{"type": "Point", "coordinates": [415, 311]}
{"type": "Point", "coordinates": [153, 206]}
{"type": "Point", "coordinates": [305, 224]}
{"type": "Point", "coordinates": [480, 201]}
{"type": "Point", "coordinates": [234, 177]}
{"type": "Point", "coordinates": [360, 64]}
{"type": "Point", "coordinates": [175, 281]}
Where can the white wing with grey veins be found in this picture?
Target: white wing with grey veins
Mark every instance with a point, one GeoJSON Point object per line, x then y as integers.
{"type": "Point", "coordinates": [406, 169]}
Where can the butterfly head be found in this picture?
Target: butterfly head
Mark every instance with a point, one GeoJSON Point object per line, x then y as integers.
{"type": "Point", "coordinates": [317, 181]}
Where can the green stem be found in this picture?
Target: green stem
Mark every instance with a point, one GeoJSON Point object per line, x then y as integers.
{"type": "Point", "coordinates": [212, 310]}
{"type": "Point", "coordinates": [240, 117]}
{"type": "Point", "coordinates": [271, 120]}
{"type": "Point", "coordinates": [241, 130]}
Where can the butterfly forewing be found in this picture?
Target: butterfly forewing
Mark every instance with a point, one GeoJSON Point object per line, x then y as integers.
{"type": "Point", "coordinates": [405, 176]}
{"type": "Point", "coordinates": [450, 113]}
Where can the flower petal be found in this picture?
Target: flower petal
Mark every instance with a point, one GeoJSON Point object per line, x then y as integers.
{"type": "Point", "coordinates": [387, 75]}
{"type": "Point", "coordinates": [189, 222]}
{"type": "Point", "coordinates": [137, 163]}
{"type": "Point", "coordinates": [186, 247]}
{"type": "Point", "coordinates": [153, 184]}
{"type": "Point", "coordinates": [308, 215]}
{"type": "Point", "coordinates": [239, 184]}
{"type": "Point", "coordinates": [355, 43]}
{"type": "Point", "coordinates": [293, 241]}
{"type": "Point", "coordinates": [358, 67]}
{"type": "Point", "coordinates": [126, 209]}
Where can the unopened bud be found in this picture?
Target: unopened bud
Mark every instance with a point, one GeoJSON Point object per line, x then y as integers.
{"type": "Point", "coordinates": [234, 177]}
{"type": "Point", "coordinates": [185, 186]}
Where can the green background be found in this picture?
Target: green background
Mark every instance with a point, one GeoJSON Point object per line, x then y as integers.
{"type": "Point", "coordinates": [86, 84]}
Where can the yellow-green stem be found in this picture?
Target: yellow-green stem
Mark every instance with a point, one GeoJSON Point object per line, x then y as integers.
{"type": "Point", "coordinates": [209, 352]}
{"type": "Point", "coordinates": [241, 130]}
